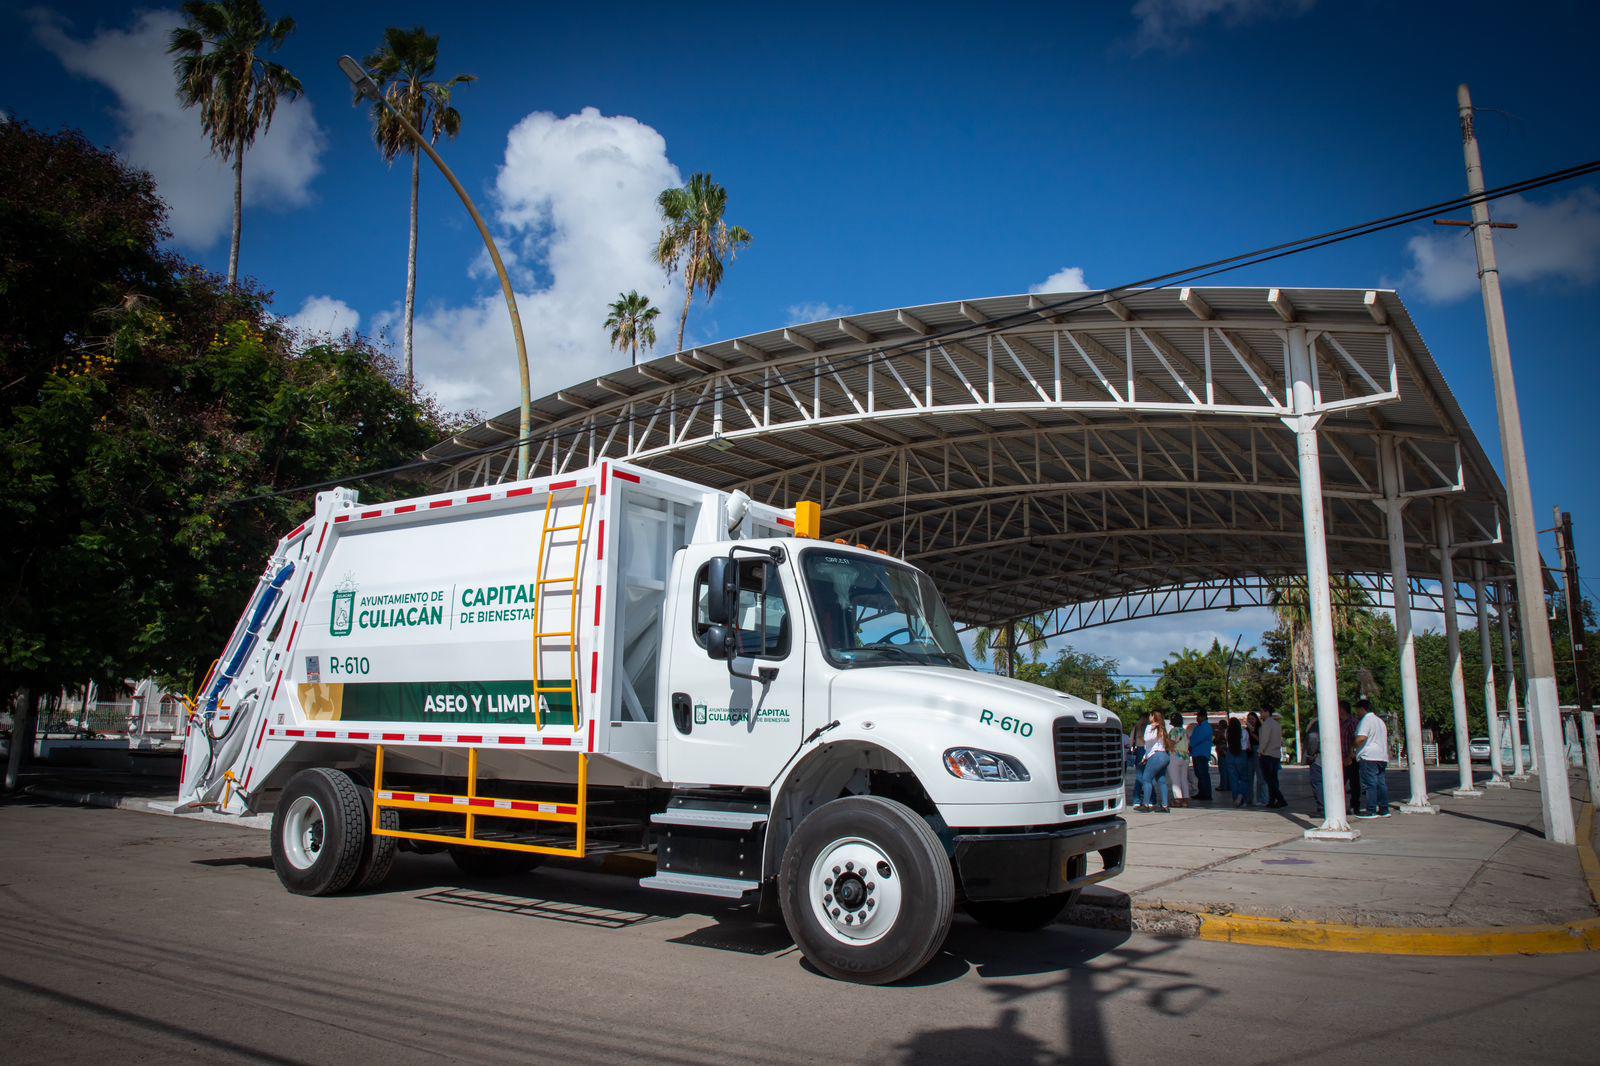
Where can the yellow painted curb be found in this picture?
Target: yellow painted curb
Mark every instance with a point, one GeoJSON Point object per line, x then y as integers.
{"type": "Point", "coordinates": [1562, 939]}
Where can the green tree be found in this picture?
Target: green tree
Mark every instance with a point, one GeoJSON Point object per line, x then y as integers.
{"type": "Point", "coordinates": [632, 322]}
{"type": "Point", "coordinates": [698, 237]}
{"type": "Point", "coordinates": [148, 407]}
{"type": "Point", "coordinates": [403, 67]}
{"type": "Point", "coordinates": [1008, 643]}
{"type": "Point", "coordinates": [1217, 680]}
{"type": "Point", "coordinates": [1089, 677]}
{"type": "Point", "coordinates": [220, 71]}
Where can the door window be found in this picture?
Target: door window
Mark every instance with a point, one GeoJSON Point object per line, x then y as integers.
{"type": "Point", "coordinates": [763, 611]}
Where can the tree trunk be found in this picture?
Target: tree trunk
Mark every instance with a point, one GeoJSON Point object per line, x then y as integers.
{"type": "Point", "coordinates": [238, 212]}
{"type": "Point", "coordinates": [683, 319]}
{"type": "Point", "coordinates": [411, 274]}
{"type": "Point", "coordinates": [22, 723]}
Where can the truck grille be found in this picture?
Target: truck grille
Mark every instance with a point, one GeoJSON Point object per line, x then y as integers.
{"type": "Point", "coordinates": [1088, 756]}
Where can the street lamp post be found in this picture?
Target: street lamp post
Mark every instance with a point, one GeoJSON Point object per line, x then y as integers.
{"type": "Point", "coordinates": [365, 86]}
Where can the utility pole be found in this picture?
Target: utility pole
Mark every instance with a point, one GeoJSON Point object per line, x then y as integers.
{"type": "Point", "coordinates": [1543, 701]}
{"type": "Point", "coordinates": [1580, 656]}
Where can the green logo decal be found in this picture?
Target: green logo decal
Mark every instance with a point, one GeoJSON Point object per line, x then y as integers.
{"type": "Point", "coordinates": [344, 612]}
{"type": "Point", "coordinates": [734, 715]}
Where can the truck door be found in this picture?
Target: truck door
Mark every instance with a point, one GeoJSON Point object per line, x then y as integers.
{"type": "Point", "coordinates": [717, 728]}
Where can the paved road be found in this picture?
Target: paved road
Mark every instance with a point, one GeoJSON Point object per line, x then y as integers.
{"type": "Point", "coordinates": [128, 937]}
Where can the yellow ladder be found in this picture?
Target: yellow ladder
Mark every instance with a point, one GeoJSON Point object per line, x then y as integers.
{"type": "Point", "coordinates": [542, 687]}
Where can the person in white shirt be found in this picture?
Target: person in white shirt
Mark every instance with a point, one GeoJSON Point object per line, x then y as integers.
{"type": "Point", "coordinates": [1372, 756]}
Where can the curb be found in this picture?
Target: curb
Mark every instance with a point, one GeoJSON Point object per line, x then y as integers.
{"type": "Point", "coordinates": [1553, 939]}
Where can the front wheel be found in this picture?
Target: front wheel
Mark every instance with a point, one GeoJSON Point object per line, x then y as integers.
{"type": "Point", "coordinates": [867, 890]}
{"type": "Point", "coordinates": [1019, 915]}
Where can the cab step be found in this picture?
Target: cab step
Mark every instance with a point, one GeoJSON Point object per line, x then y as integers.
{"type": "Point", "coordinates": [700, 885]}
{"type": "Point", "coordinates": [738, 821]}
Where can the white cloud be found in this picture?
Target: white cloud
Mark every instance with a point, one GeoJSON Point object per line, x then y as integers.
{"type": "Point", "coordinates": [1557, 240]}
{"type": "Point", "coordinates": [324, 316]}
{"type": "Point", "coordinates": [156, 133]}
{"type": "Point", "coordinates": [577, 197]}
{"type": "Point", "coordinates": [1169, 24]}
{"type": "Point", "coordinates": [1067, 279]}
{"type": "Point", "coordinates": [816, 311]}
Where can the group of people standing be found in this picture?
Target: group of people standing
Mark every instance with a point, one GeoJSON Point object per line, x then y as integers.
{"type": "Point", "coordinates": [1364, 753]}
{"type": "Point", "coordinates": [1174, 761]}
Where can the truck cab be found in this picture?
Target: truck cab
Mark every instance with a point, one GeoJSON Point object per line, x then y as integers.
{"type": "Point", "coordinates": [809, 674]}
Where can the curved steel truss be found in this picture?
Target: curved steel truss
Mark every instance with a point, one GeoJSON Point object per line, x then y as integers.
{"type": "Point", "coordinates": [1038, 458]}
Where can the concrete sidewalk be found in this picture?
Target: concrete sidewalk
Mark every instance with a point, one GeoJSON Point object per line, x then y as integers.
{"type": "Point", "coordinates": [1479, 862]}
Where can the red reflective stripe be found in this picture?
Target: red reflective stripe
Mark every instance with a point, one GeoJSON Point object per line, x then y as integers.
{"type": "Point", "coordinates": [342, 518]}
{"type": "Point", "coordinates": [562, 808]}
{"type": "Point", "coordinates": [475, 802]}
{"type": "Point", "coordinates": [594, 670]}
{"type": "Point", "coordinates": [294, 732]}
{"type": "Point", "coordinates": [289, 650]}
{"type": "Point", "coordinates": [789, 522]}
{"type": "Point", "coordinates": [324, 537]}
{"type": "Point", "coordinates": [440, 503]}
{"type": "Point", "coordinates": [248, 774]}
{"type": "Point", "coordinates": [597, 605]}
{"type": "Point", "coordinates": [480, 497]}
{"type": "Point", "coordinates": [394, 736]}
{"type": "Point", "coordinates": [407, 509]}
{"type": "Point", "coordinates": [326, 734]}
{"type": "Point", "coordinates": [511, 740]}
{"type": "Point", "coordinates": [526, 490]}
{"type": "Point", "coordinates": [409, 797]}
{"type": "Point", "coordinates": [371, 514]}
{"type": "Point", "coordinates": [299, 529]}
{"type": "Point", "coordinates": [431, 738]}
{"type": "Point", "coordinates": [358, 736]}
{"type": "Point", "coordinates": [591, 734]}
{"type": "Point", "coordinates": [276, 683]}
{"type": "Point", "coordinates": [560, 742]}
{"type": "Point", "coordinates": [469, 740]}
{"type": "Point", "coordinates": [600, 541]}
{"type": "Point", "coordinates": [561, 486]}
{"type": "Point", "coordinates": [307, 587]}
{"type": "Point", "coordinates": [604, 467]}
{"type": "Point", "coordinates": [624, 475]}
{"type": "Point", "coordinates": [263, 734]}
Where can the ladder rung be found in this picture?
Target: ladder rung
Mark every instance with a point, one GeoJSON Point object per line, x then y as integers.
{"type": "Point", "coordinates": [561, 529]}
{"type": "Point", "coordinates": [573, 580]}
{"type": "Point", "coordinates": [542, 636]}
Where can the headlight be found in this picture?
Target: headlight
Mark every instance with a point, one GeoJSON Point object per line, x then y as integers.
{"type": "Point", "coordinates": [971, 764]}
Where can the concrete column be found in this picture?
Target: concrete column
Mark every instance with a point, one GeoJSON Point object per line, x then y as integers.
{"type": "Point", "coordinates": [1591, 754]}
{"type": "Point", "coordinates": [1491, 711]}
{"type": "Point", "coordinates": [1518, 771]}
{"type": "Point", "coordinates": [1336, 825]}
{"type": "Point", "coordinates": [1533, 727]}
{"type": "Point", "coordinates": [1452, 636]}
{"type": "Point", "coordinates": [1411, 704]}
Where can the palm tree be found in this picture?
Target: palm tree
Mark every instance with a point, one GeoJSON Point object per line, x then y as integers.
{"type": "Point", "coordinates": [632, 322]}
{"type": "Point", "coordinates": [1291, 606]}
{"type": "Point", "coordinates": [1003, 641]}
{"type": "Point", "coordinates": [697, 236]}
{"type": "Point", "coordinates": [402, 67]}
{"type": "Point", "coordinates": [235, 89]}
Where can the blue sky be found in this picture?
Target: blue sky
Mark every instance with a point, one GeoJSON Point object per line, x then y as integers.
{"type": "Point", "coordinates": [892, 155]}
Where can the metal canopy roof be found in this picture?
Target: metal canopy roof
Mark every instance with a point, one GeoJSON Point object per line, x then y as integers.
{"type": "Point", "coordinates": [1094, 457]}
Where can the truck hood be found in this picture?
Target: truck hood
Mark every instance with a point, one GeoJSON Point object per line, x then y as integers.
{"type": "Point", "coordinates": [958, 692]}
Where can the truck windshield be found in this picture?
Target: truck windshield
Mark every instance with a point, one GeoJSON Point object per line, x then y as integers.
{"type": "Point", "coordinates": [878, 613]}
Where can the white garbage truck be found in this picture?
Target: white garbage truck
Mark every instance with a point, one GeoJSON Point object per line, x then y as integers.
{"type": "Point", "coordinates": [616, 660]}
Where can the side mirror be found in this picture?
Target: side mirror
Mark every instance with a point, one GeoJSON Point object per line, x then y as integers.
{"type": "Point", "coordinates": [721, 642]}
{"type": "Point", "coordinates": [722, 591]}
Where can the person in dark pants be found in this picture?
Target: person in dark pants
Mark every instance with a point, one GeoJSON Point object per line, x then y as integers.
{"type": "Point", "coordinates": [1270, 736]}
{"type": "Point", "coordinates": [1372, 753]}
{"type": "Point", "coordinates": [1201, 741]}
{"type": "Point", "coordinates": [1347, 756]}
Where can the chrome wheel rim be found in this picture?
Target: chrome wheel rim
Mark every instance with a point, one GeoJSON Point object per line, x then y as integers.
{"type": "Point", "coordinates": [855, 891]}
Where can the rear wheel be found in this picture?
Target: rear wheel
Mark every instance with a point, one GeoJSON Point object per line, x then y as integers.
{"type": "Point", "coordinates": [378, 859]}
{"type": "Point", "coordinates": [492, 862]}
{"type": "Point", "coordinates": [1019, 915]}
{"type": "Point", "coordinates": [319, 832]}
{"type": "Point", "coordinates": [867, 890]}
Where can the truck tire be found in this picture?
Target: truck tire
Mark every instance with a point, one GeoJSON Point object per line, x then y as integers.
{"type": "Point", "coordinates": [378, 859]}
{"type": "Point", "coordinates": [319, 832]}
{"type": "Point", "coordinates": [1019, 915]}
{"type": "Point", "coordinates": [867, 890]}
{"type": "Point", "coordinates": [492, 862]}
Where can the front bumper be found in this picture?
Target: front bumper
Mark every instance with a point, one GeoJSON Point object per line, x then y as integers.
{"type": "Point", "coordinates": [1031, 864]}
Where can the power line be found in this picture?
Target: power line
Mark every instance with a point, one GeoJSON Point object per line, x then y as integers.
{"type": "Point", "coordinates": [884, 353]}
